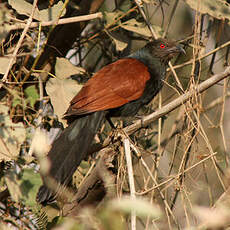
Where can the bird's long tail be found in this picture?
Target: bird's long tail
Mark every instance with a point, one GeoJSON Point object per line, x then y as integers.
{"type": "Point", "coordinates": [68, 150]}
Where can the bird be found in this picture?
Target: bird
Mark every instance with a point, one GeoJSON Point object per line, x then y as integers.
{"type": "Point", "coordinates": [116, 90]}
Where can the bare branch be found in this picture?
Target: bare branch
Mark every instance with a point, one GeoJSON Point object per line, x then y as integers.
{"type": "Point", "coordinates": [59, 22]}
{"type": "Point", "coordinates": [131, 178]}
{"type": "Point", "coordinates": [177, 102]}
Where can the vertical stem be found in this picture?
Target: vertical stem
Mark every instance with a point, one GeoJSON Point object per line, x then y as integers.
{"type": "Point", "coordinates": [131, 179]}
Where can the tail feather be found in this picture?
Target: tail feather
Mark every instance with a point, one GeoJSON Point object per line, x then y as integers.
{"type": "Point", "coordinates": [68, 150]}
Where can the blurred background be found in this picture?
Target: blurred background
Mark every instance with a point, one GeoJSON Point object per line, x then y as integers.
{"type": "Point", "coordinates": [182, 176]}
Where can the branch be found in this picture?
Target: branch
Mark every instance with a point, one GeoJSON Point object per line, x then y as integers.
{"type": "Point", "coordinates": [177, 102]}
{"type": "Point", "coordinates": [98, 185]}
{"type": "Point", "coordinates": [60, 21]}
{"type": "Point", "coordinates": [139, 5]}
{"type": "Point", "coordinates": [146, 120]}
{"type": "Point", "coordinates": [131, 178]}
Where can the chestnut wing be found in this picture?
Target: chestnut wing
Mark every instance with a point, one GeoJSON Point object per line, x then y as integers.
{"type": "Point", "coordinates": [113, 86]}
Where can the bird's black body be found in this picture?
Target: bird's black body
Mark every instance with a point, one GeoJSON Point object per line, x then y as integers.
{"type": "Point", "coordinates": [73, 144]}
{"type": "Point", "coordinates": [63, 152]}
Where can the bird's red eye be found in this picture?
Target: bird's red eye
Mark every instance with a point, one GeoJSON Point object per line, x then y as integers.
{"type": "Point", "coordinates": [162, 46]}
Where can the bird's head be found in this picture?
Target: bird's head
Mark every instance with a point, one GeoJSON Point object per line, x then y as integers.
{"type": "Point", "coordinates": [164, 49]}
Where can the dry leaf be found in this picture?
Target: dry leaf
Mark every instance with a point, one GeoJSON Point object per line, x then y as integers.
{"type": "Point", "coordinates": [11, 136]}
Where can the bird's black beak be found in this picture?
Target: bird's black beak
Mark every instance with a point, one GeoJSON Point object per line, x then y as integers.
{"type": "Point", "coordinates": [180, 49]}
{"type": "Point", "coordinates": [177, 49]}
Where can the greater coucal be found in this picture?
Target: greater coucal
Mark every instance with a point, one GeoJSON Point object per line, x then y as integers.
{"type": "Point", "coordinates": [118, 89]}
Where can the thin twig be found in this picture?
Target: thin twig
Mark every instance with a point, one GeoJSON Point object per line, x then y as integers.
{"type": "Point", "coordinates": [209, 146]}
{"type": "Point", "coordinates": [136, 150]}
{"type": "Point", "coordinates": [175, 177]}
{"type": "Point", "coordinates": [146, 21]}
{"type": "Point", "coordinates": [170, 17]}
{"type": "Point", "coordinates": [172, 105]}
{"type": "Point", "coordinates": [27, 26]}
{"type": "Point", "coordinates": [177, 102]}
{"type": "Point", "coordinates": [216, 102]}
{"type": "Point", "coordinates": [222, 122]}
{"type": "Point", "coordinates": [175, 75]}
{"type": "Point", "coordinates": [201, 57]}
{"type": "Point", "coordinates": [44, 45]}
{"type": "Point", "coordinates": [160, 192]}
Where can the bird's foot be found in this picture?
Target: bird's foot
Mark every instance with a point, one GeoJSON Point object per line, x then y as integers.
{"type": "Point", "coordinates": [142, 120]}
{"type": "Point", "coordinates": [117, 133]}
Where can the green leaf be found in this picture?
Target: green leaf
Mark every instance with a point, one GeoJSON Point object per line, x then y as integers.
{"type": "Point", "coordinates": [24, 188]}
{"type": "Point", "coordinates": [31, 95]}
{"type": "Point", "coordinates": [16, 101]}
{"type": "Point", "coordinates": [29, 183]}
{"type": "Point", "coordinates": [17, 97]}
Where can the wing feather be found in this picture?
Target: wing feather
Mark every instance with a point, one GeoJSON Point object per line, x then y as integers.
{"type": "Point", "coordinates": [113, 86]}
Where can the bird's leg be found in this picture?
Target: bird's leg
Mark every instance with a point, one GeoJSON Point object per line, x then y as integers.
{"type": "Point", "coordinates": [116, 130]}
{"type": "Point", "coordinates": [110, 122]}
{"type": "Point", "coordinates": [139, 117]}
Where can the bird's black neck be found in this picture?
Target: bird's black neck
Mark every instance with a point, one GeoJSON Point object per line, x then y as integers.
{"type": "Point", "coordinates": [156, 65]}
